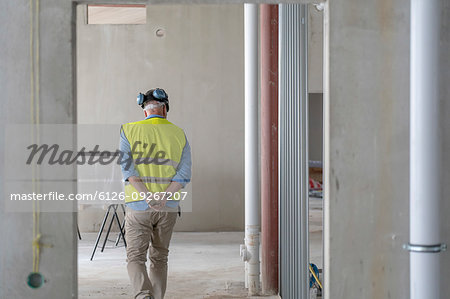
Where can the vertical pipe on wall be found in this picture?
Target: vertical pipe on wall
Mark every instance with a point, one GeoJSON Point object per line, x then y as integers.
{"type": "Point", "coordinates": [269, 148]}
{"type": "Point", "coordinates": [425, 147]}
{"type": "Point", "coordinates": [252, 207]}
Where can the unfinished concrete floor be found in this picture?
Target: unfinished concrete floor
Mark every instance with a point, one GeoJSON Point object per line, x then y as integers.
{"type": "Point", "coordinates": [201, 265]}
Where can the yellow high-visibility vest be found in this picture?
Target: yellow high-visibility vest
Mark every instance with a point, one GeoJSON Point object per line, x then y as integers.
{"type": "Point", "coordinates": [156, 147]}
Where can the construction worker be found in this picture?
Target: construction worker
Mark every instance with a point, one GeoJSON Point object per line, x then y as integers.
{"type": "Point", "coordinates": [156, 159]}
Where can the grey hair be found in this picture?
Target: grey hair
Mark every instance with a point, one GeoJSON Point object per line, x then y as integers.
{"type": "Point", "coordinates": [153, 105]}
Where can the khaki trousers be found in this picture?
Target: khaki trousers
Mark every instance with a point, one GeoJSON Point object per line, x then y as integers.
{"type": "Point", "coordinates": [148, 231]}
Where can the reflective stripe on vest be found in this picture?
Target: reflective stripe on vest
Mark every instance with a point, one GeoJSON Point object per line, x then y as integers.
{"type": "Point", "coordinates": [156, 147]}
{"type": "Point", "coordinates": [157, 162]}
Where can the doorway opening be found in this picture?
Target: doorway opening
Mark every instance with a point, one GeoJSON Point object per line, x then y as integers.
{"type": "Point", "coordinates": [196, 53]}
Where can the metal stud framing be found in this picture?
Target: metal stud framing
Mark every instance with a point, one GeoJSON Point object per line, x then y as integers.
{"type": "Point", "coordinates": [293, 156]}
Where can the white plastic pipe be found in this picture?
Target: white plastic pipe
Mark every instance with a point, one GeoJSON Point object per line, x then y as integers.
{"type": "Point", "coordinates": [425, 185]}
{"type": "Point", "coordinates": [252, 200]}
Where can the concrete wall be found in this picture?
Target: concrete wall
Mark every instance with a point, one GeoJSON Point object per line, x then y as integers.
{"type": "Point", "coordinates": [445, 112]}
{"type": "Point", "coordinates": [315, 126]}
{"type": "Point", "coordinates": [315, 82]}
{"type": "Point", "coordinates": [369, 148]}
{"type": "Point", "coordinates": [199, 62]}
{"type": "Point", "coordinates": [57, 264]}
{"type": "Point", "coordinates": [315, 50]}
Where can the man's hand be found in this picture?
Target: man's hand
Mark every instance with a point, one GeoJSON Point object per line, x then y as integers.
{"type": "Point", "coordinates": [162, 196]}
{"type": "Point", "coordinates": [158, 201]}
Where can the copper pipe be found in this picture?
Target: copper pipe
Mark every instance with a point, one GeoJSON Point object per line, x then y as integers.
{"type": "Point", "coordinates": [269, 148]}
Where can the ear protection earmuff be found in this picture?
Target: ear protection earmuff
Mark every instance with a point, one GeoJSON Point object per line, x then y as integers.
{"type": "Point", "coordinates": [157, 94]}
{"type": "Point", "coordinates": [141, 99]}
